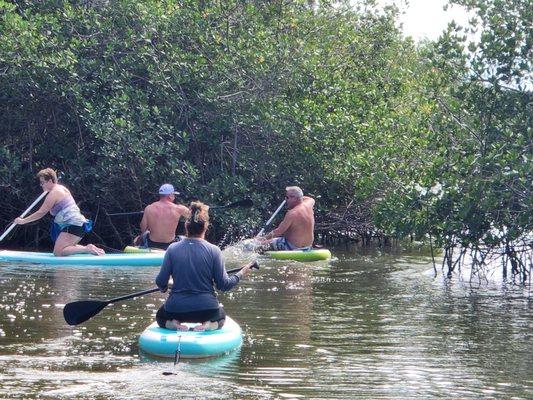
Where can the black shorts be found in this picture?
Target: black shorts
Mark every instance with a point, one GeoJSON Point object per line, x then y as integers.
{"type": "Point", "coordinates": [214, 315]}
{"type": "Point", "coordinates": [147, 242]}
{"type": "Point", "coordinates": [78, 231]}
{"type": "Point", "coordinates": [157, 245]}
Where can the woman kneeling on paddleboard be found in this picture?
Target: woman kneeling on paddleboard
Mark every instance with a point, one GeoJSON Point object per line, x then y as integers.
{"type": "Point", "coordinates": [196, 268]}
{"type": "Point", "coordinates": [69, 225]}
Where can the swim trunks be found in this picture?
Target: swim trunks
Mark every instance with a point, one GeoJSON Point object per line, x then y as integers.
{"type": "Point", "coordinates": [280, 243]}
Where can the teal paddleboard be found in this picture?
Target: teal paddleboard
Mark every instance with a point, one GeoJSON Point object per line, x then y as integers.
{"type": "Point", "coordinates": [163, 342]}
{"type": "Point", "coordinates": [135, 259]}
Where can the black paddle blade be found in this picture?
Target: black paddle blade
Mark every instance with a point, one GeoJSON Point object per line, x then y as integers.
{"type": "Point", "coordinates": [243, 203]}
{"type": "Point", "coordinates": [80, 311]}
{"type": "Point", "coordinates": [240, 203]}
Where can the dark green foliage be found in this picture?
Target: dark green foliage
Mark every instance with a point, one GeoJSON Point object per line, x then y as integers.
{"type": "Point", "coordinates": [476, 192]}
{"type": "Point", "coordinates": [238, 99]}
{"type": "Point", "coordinates": [222, 99]}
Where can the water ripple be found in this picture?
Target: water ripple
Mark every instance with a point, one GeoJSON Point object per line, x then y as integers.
{"type": "Point", "coordinates": [367, 325]}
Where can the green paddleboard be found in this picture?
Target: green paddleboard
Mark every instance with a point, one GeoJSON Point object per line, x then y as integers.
{"type": "Point", "coordinates": [300, 255]}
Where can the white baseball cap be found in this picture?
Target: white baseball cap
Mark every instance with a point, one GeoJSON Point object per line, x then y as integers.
{"type": "Point", "coordinates": [167, 189]}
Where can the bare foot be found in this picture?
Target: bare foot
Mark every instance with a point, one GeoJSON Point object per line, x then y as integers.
{"type": "Point", "coordinates": [211, 325]}
{"type": "Point", "coordinates": [97, 251]}
{"type": "Point", "coordinates": [174, 324]}
{"type": "Point", "coordinates": [199, 328]}
{"type": "Point", "coordinates": [206, 326]}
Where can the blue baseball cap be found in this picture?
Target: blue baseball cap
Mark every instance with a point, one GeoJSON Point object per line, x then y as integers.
{"type": "Point", "coordinates": [167, 189]}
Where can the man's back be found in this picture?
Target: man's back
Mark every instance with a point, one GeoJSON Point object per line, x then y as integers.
{"type": "Point", "coordinates": [302, 223]}
{"type": "Point", "coordinates": [161, 219]}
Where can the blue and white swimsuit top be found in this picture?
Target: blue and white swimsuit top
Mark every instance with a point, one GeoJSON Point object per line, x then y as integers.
{"type": "Point", "coordinates": [66, 212]}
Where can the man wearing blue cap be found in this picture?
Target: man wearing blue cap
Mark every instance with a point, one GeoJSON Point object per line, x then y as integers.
{"type": "Point", "coordinates": [160, 220]}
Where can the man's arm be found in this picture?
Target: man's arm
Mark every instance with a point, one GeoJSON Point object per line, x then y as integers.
{"type": "Point", "coordinates": [144, 220]}
{"type": "Point", "coordinates": [282, 227]}
{"type": "Point", "coordinates": [183, 211]}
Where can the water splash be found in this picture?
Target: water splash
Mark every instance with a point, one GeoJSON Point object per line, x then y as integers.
{"type": "Point", "coordinates": [240, 252]}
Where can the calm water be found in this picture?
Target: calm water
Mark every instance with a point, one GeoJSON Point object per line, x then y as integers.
{"type": "Point", "coordinates": [367, 325]}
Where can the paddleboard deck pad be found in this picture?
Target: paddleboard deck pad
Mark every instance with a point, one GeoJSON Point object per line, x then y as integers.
{"type": "Point", "coordinates": [141, 250]}
{"type": "Point", "coordinates": [300, 255]}
{"type": "Point", "coordinates": [161, 342]}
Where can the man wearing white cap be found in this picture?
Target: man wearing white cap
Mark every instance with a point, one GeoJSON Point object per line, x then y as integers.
{"type": "Point", "coordinates": [160, 220]}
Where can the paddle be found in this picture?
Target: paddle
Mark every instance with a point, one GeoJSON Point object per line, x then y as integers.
{"type": "Point", "coordinates": [271, 218]}
{"type": "Point", "coordinates": [126, 213]}
{"type": "Point", "coordinates": [23, 215]}
{"type": "Point", "coordinates": [240, 203]}
{"type": "Point", "coordinates": [235, 204]}
{"type": "Point", "coordinates": [77, 312]}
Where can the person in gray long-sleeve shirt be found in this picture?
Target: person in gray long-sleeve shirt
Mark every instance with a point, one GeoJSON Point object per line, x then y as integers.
{"type": "Point", "coordinates": [196, 268]}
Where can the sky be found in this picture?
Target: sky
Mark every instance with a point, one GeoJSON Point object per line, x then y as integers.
{"type": "Point", "coordinates": [426, 18]}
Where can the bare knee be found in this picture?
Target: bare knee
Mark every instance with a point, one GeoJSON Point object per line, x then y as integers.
{"type": "Point", "coordinates": [58, 251]}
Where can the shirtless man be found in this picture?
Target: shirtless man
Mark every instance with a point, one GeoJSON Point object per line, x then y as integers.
{"type": "Point", "coordinates": [160, 220]}
{"type": "Point", "coordinates": [295, 232]}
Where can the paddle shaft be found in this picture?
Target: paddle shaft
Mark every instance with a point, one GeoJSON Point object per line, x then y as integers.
{"type": "Point", "coordinates": [131, 296]}
{"type": "Point", "coordinates": [240, 203]}
{"type": "Point", "coordinates": [271, 218]}
{"type": "Point", "coordinates": [23, 215]}
{"type": "Point", "coordinates": [234, 271]}
{"type": "Point", "coordinates": [138, 294]}
{"type": "Point", "coordinates": [126, 213]}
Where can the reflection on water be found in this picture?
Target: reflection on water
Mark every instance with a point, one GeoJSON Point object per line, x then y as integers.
{"type": "Point", "coordinates": [366, 325]}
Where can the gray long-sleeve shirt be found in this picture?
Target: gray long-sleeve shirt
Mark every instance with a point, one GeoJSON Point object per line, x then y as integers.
{"type": "Point", "coordinates": [197, 268]}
